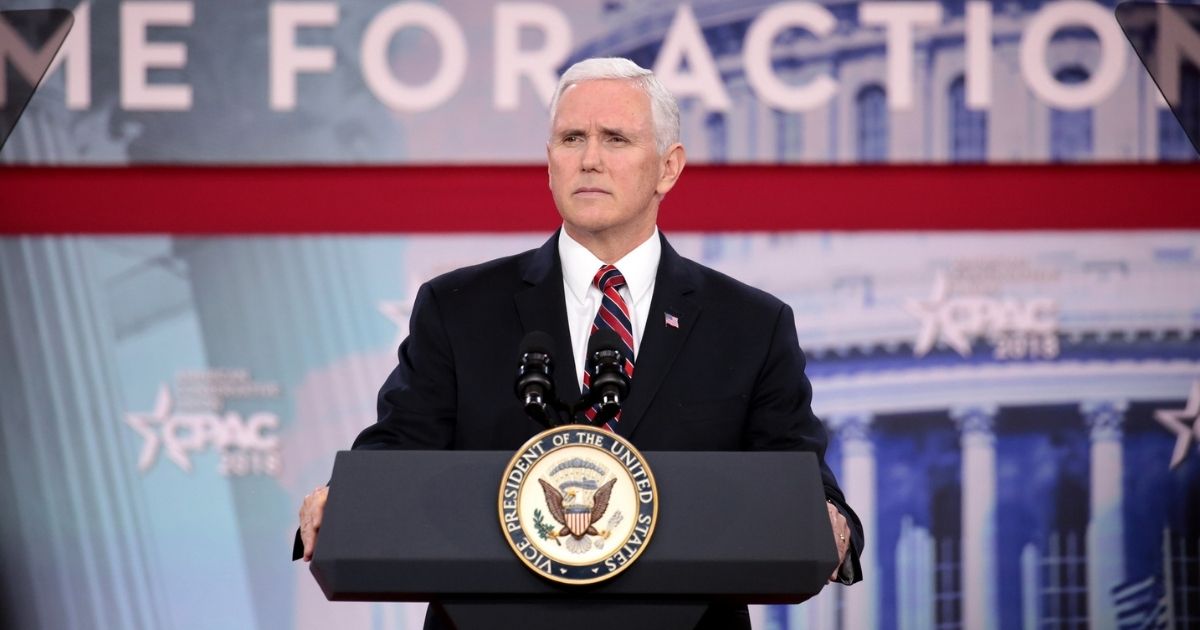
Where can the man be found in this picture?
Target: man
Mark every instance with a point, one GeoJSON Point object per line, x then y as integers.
{"type": "Point", "coordinates": [718, 366]}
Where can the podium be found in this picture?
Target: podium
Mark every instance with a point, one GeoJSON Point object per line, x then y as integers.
{"type": "Point", "coordinates": [733, 527]}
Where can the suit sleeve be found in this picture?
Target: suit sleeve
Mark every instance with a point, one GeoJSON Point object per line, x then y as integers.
{"type": "Point", "coordinates": [417, 404]}
{"type": "Point", "coordinates": [781, 418]}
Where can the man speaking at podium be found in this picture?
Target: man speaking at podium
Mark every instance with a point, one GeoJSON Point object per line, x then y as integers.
{"type": "Point", "coordinates": [716, 363]}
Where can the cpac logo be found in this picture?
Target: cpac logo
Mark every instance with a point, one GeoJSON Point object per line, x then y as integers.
{"type": "Point", "coordinates": [1016, 329]}
{"type": "Point", "coordinates": [245, 446]}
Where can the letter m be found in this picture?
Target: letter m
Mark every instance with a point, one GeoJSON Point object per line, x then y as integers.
{"type": "Point", "coordinates": [30, 60]}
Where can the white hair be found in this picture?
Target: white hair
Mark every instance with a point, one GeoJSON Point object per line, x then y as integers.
{"type": "Point", "coordinates": [664, 110]}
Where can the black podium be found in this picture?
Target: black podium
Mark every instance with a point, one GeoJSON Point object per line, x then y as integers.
{"type": "Point", "coordinates": [423, 526]}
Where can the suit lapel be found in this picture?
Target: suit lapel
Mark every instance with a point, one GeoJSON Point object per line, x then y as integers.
{"type": "Point", "coordinates": [542, 306]}
{"type": "Point", "coordinates": [661, 343]}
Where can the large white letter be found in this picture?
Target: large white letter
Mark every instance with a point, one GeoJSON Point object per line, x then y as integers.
{"type": "Point", "coordinates": [75, 50]}
{"type": "Point", "coordinates": [979, 54]}
{"type": "Point", "coordinates": [685, 41]}
{"type": "Point", "coordinates": [1036, 40]}
{"type": "Point", "coordinates": [538, 65]}
{"type": "Point", "coordinates": [378, 73]}
{"type": "Point", "coordinates": [138, 55]}
{"type": "Point", "coordinates": [1175, 38]}
{"type": "Point", "coordinates": [900, 19]}
{"type": "Point", "coordinates": [756, 56]}
{"type": "Point", "coordinates": [287, 59]}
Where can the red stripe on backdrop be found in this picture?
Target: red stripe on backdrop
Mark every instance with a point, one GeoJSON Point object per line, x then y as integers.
{"type": "Point", "coordinates": [337, 199]}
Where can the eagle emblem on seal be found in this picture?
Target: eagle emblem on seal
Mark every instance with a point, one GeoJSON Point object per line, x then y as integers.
{"type": "Point", "coordinates": [578, 500]}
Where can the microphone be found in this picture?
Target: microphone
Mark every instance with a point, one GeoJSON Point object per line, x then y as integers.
{"type": "Point", "coordinates": [535, 385]}
{"type": "Point", "coordinates": [609, 383]}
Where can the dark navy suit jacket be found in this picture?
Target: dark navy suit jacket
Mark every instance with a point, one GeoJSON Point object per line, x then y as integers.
{"type": "Point", "coordinates": [729, 377]}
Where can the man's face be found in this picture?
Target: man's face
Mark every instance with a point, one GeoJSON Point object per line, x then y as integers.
{"type": "Point", "coordinates": [605, 172]}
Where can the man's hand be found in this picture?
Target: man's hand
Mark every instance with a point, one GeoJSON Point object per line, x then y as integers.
{"type": "Point", "coordinates": [841, 537]}
{"type": "Point", "coordinates": [311, 512]}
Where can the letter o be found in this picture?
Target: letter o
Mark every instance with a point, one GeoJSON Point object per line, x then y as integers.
{"type": "Point", "coordinates": [1036, 41]}
{"type": "Point", "coordinates": [445, 81]}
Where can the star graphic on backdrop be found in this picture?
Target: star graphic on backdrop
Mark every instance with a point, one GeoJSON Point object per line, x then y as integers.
{"type": "Point", "coordinates": [398, 313]}
{"type": "Point", "coordinates": [141, 422]}
{"type": "Point", "coordinates": [937, 321]}
{"type": "Point", "coordinates": [1176, 421]}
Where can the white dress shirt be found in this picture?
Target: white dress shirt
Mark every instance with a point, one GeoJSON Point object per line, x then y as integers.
{"type": "Point", "coordinates": [579, 267]}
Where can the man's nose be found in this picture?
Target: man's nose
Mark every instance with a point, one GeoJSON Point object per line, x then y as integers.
{"type": "Point", "coordinates": [591, 155]}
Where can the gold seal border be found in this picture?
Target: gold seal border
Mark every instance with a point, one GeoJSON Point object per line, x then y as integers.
{"type": "Point", "coordinates": [521, 489]}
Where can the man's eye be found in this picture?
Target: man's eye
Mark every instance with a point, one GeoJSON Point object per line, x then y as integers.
{"type": "Point", "coordinates": [617, 140]}
{"type": "Point", "coordinates": [571, 139]}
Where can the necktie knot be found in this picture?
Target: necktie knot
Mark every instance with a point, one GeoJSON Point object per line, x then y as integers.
{"type": "Point", "coordinates": [608, 277]}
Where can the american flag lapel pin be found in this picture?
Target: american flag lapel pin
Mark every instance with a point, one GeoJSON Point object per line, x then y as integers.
{"type": "Point", "coordinates": [671, 320]}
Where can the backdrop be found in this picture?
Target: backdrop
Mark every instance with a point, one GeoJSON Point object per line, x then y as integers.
{"type": "Point", "coordinates": [216, 215]}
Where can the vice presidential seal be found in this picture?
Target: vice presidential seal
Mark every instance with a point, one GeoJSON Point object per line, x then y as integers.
{"type": "Point", "coordinates": [578, 504]}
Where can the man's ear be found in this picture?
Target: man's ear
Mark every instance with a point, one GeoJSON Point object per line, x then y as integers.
{"type": "Point", "coordinates": [673, 163]}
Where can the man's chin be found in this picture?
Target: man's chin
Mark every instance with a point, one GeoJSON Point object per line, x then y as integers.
{"type": "Point", "coordinates": [590, 217]}
{"type": "Point", "coordinates": [585, 230]}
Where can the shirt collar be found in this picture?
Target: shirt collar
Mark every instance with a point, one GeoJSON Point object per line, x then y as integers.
{"type": "Point", "coordinates": [638, 266]}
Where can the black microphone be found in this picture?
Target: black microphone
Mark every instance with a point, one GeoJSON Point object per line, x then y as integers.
{"type": "Point", "coordinates": [535, 382]}
{"type": "Point", "coordinates": [609, 383]}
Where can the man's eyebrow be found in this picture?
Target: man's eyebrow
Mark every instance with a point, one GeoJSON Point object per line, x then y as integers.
{"type": "Point", "coordinates": [579, 131]}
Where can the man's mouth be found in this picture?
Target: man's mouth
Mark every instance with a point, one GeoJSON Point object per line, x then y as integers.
{"type": "Point", "coordinates": [590, 191]}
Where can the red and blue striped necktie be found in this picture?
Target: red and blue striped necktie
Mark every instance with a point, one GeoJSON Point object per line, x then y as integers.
{"type": "Point", "coordinates": [613, 315]}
